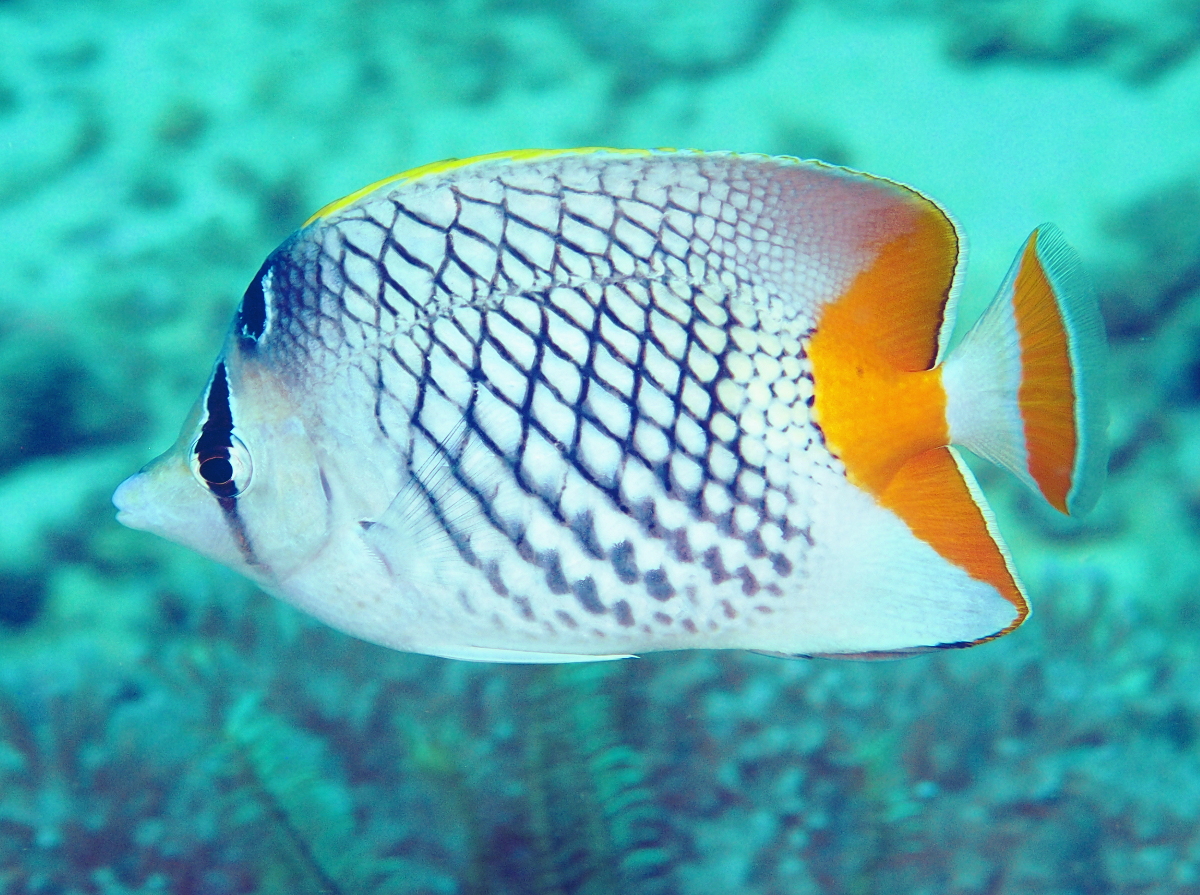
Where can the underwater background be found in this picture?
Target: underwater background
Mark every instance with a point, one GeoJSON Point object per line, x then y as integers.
{"type": "Point", "coordinates": [165, 727]}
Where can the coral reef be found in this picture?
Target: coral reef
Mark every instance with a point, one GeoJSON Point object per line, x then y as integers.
{"type": "Point", "coordinates": [1137, 41]}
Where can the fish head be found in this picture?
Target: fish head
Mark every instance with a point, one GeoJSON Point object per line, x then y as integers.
{"type": "Point", "coordinates": [242, 485]}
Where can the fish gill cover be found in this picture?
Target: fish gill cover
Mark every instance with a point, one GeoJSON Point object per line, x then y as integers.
{"type": "Point", "coordinates": [152, 155]}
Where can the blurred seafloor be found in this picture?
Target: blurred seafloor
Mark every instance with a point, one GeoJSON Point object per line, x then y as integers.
{"type": "Point", "coordinates": [166, 728]}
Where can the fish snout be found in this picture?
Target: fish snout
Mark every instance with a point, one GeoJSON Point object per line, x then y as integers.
{"type": "Point", "coordinates": [129, 499]}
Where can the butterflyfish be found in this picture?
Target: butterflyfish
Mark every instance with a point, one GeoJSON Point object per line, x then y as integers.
{"type": "Point", "coordinates": [558, 406]}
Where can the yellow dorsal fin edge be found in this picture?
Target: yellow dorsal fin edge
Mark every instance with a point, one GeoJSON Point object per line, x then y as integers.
{"type": "Point", "coordinates": [452, 164]}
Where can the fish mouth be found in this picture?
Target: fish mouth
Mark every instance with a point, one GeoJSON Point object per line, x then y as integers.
{"type": "Point", "coordinates": [128, 499]}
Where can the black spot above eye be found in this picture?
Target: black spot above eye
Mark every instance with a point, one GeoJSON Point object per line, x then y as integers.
{"type": "Point", "coordinates": [252, 313]}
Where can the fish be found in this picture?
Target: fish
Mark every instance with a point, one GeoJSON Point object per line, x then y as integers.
{"type": "Point", "coordinates": [573, 405]}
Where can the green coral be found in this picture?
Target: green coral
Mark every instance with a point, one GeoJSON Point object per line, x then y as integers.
{"type": "Point", "coordinates": [597, 830]}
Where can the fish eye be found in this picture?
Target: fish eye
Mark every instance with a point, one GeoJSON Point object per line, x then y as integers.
{"type": "Point", "coordinates": [224, 469]}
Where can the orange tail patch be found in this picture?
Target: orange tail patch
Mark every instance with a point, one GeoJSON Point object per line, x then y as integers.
{"type": "Point", "coordinates": [1047, 395]}
{"type": "Point", "coordinates": [1061, 351]}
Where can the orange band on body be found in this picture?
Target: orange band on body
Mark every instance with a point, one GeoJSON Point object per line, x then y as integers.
{"type": "Point", "coordinates": [876, 399]}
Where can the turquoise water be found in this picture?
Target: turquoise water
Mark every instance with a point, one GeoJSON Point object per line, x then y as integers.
{"type": "Point", "coordinates": [164, 727]}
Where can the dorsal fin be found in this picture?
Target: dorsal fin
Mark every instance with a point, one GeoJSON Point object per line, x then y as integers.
{"type": "Point", "coordinates": [902, 305]}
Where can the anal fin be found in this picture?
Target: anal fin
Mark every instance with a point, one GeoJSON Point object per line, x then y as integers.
{"type": "Point", "coordinates": [937, 497]}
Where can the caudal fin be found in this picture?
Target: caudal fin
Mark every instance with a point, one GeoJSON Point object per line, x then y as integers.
{"type": "Point", "coordinates": [1024, 389]}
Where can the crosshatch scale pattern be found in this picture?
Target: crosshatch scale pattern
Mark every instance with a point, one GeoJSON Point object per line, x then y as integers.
{"type": "Point", "coordinates": [593, 377]}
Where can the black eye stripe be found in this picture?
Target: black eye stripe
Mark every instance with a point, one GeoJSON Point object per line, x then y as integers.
{"type": "Point", "coordinates": [213, 445]}
{"type": "Point", "coordinates": [212, 455]}
{"type": "Point", "coordinates": [220, 416]}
